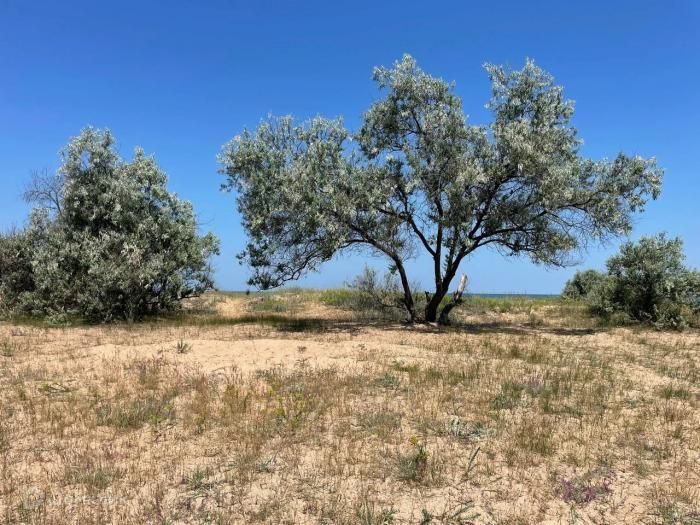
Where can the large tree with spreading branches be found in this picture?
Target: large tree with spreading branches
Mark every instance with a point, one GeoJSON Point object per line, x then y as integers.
{"type": "Point", "coordinates": [416, 176]}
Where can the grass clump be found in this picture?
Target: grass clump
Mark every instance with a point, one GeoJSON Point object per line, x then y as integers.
{"type": "Point", "coordinates": [182, 347]}
{"type": "Point", "coordinates": [675, 392]}
{"type": "Point", "coordinates": [382, 422]}
{"type": "Point", "coordinates": [279, 303]}
{"type": "Point", "coordinates": [95, 470]}
{"type": "Point", "coordinates": [369, 513]}
{"type": "Point", "coordinates": [413, 466]}
{"type": "Point", "coordinates": [199, 480]}
{"type": "Point", "coordinates": [671, 513]}
{"type": "Point", "coordinates": [135, 412]}
{"type": "Point", "coordinates": [465, 430]}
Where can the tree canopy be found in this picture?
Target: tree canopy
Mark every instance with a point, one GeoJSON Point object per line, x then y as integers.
{"type": "Point", "coordinates": [417, 177]}
{"type": "Point", "coordinates": [105, 241]}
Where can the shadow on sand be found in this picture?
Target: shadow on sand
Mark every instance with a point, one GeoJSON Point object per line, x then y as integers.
{"type": "Point", "coordinates": [301, 324]}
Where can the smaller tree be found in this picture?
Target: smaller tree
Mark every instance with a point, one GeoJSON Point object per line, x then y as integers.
{"type": "Point", "coordinates": [581, 284]}
{"type": "Point", "coordinates": [648, 282]}
{"type": "Point", "coordinates": [106, 240]}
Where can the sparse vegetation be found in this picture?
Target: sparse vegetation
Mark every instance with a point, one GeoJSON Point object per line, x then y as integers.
{"type": "Point", "coordinates": [494, 420]}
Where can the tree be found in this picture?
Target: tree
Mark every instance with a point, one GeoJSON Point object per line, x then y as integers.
{"type": "Point", "coordinates": [416, 177]}
{"type": "Point", "coordinates": [649, 282]}
{"type": "Point", "coordinates": [107, 240]}
{"type": "Point", "coordinates": [581, 284]}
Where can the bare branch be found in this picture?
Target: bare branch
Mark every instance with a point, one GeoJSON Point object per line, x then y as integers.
{"type": "Point", "coordinates": [45, 190]}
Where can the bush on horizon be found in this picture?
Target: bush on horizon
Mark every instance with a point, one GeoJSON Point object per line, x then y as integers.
{"type": "Point", "coordinates": [581, 284]}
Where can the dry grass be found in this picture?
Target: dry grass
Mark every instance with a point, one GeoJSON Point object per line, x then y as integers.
{"type": "Point", "coordinates": [292, 410]}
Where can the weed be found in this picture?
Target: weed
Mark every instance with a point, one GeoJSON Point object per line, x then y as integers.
{"type": "Point", "coordinates": [92, 468]}
{"type": "Point", "coordinates": [414, 465]}
{"type": "Point", "coordinates": [134, 413]}
{"type": "Point", "coordinates": [460, 514]}
{"type": "Point", "coordinates": [465, 430]}
{"type": "Point", "coordinates": [150, 372]}
{"type": "Point", "coordinates": [367, 513]}
{"type": "Point", "coordinates": [382, 422]}
{"type": "Point", "coordinates": [52, 389]}
{"type": "Point", "coordinates": [181, 347]}
{"type": "Point", "coordinates": [235, 401]}
{"type": "Point", "coordinates": [388, 381]}
{"type": "Point", "coordinates": [670, 513]}
{"type": "Point", "coordinates": [7, 348]}
{"type": "Point", "coordinates": [4, 437]}
{"type": "Point", "coordinates": [535, 435]}
{"type": "Point", "coordinates": [409, 368]}
{"type": "Point", "coordinates": [584, 489]}
{"type": "Point", "coordinates": [198, 481]}
{"type": "Point", "coordinates": [509, 396]}
{"type": "Point", "coordinates": [265, 465]}
{"type": "Point", "coordinates": [671, 392]}
{"type": "Point", "coordinates": [277, 303]}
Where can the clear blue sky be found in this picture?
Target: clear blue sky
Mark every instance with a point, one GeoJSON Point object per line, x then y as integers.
{"type": "Point", "coordinates": [181, 78]}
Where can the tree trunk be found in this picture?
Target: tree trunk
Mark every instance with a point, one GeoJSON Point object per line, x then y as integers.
{"type": "Point", "coordinates": [407, 295]}
{"type": "Point", "coordinates": [434, 301]}
{"type": "Point", "coordinates": [441, 288]}
{"type": "Point", "coordinates": [456, 299]}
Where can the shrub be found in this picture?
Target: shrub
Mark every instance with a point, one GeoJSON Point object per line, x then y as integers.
{"type": "Point", "coordinates": [375, 291]}
{"type": "Point", "coordinates": [581, 284]}
{"type": "Point", "coordinates": [375, 295]}
{"type": "Point", "coordinates": [16, 276]}
{"type": "Point", "coordinates": [648, 281]}
{"type": "Point", "coordinates": [106, 240]}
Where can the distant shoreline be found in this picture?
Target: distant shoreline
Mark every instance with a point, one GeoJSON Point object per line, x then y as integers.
{"type": "Point", "coordinates": [527, 295]}
{"type": "Point", "coordinates": [473, 294]}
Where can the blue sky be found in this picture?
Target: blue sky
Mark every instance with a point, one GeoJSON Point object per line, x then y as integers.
{"type": "Point", "coordinates": [181, 78]}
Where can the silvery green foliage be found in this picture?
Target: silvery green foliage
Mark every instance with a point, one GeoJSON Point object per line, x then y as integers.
{"type": "Point", "coordinates": [16, 275]}
{"type": "Point", "coordinates": [417, 176]}
{"type": "Point", "coordinates": [581, 284]}
{"type": "Point", "coordinates": [648, 281]}
{"type": "Point", "coordinates": [117, 244]}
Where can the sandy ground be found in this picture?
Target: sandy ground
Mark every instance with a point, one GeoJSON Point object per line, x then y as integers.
{"type": "Point", "coordinates": [385, 387]}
